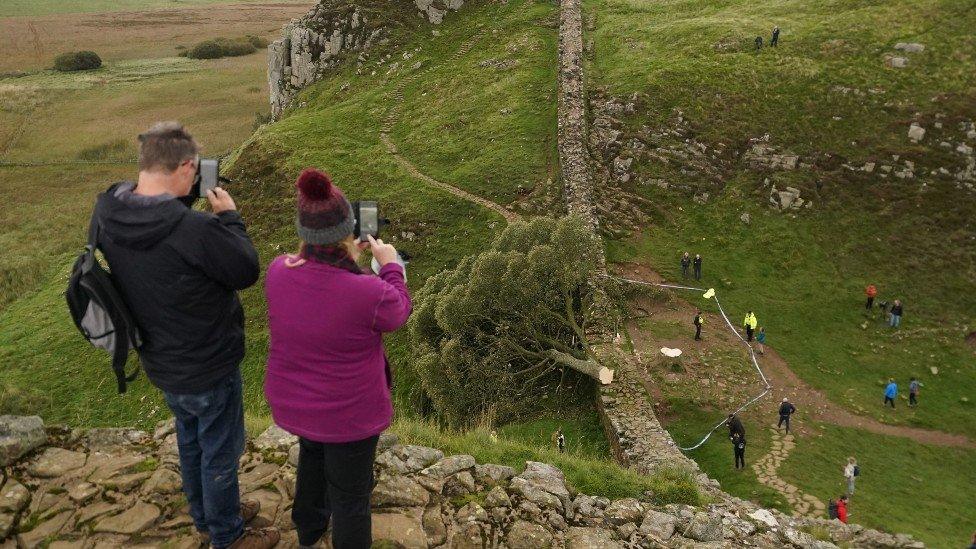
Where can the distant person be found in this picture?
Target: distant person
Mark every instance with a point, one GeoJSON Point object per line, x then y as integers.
{"type": "Point", "coordinates": [891, 391]}
{"type": "Point", "coordinates": [697, 264]}
{"type": "Point", "coordinates": [699, 320]}
{"type": "Point", "coordinates": [832, 509]}
{"type": "Point", "coordinates": [328, 379]}
{"type": "Point", "coordinates": [685, 263]}
{"type": "Point", "coordinates": [761, 339]}
{"type": "Point", "coordinates": [750, 322]}
{"type": "Point", "coordinates": [851, 472]}
{"type": "Point", "coordinates": [786, 409]}
{"type": "Point", "coordinates": [871, 292]}
{"type": "Point", "coordinates": [560, 441]}
{"type": "Point", "coordinates": [973, 544]}
{"type": "Point", "coordinates": [774, 41]}
{"type": "Point", "coordinates": [735, 425]}
{"type": "Point", "coordinates": [739, 450]}
{"type": "Point", "coordinates": [883, 308]}
{"type": "Point", "coordinates": [896, 310]}
{"type": "Point", "coordinates": [842, 509]}
{"type": "Point", "coordinates": [913, 387]}
{"type": "Point", "coordinates": [759, 43]}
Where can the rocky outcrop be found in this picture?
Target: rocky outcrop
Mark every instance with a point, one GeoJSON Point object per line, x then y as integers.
{"type": "Point", "coordinates": [317, 41]}
{"type": "Point", "coordinates": [127, 494]}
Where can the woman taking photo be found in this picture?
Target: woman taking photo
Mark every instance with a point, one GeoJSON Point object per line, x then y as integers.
{"type": "Point", "coordinates": [328, 380]}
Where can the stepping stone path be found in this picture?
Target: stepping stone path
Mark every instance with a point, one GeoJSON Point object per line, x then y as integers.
{"type": "Point", "coordinates": [766, 470]}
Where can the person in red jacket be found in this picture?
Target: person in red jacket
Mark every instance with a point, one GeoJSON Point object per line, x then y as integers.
{"type": "Point", "coordinates": [842, 509]}
{"type": "Point", "coordinates": [871, 292]}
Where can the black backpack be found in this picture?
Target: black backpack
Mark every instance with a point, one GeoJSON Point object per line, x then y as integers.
{"type": "Point", "coordinates": [832, 510]}
{"type": "Point", "coordinates": [857, 470]}
{"type": "Point", "coordinates": [98, 310]}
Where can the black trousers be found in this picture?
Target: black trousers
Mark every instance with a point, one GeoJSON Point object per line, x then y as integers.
{"type": "Point", "coordinates": [887, 400]}
{"type": "Point", "coordinates": [684, 271]}
{"type": "Point", "coordinates": [697, 272]}
{"type": "Point", "coordinates": [869, 303]}
{"type": "Point", "coordinates": [334, 483]}
{"type": "Point", "coordinates": [748, 333]}
{"type": "Point", "coordinates": [740, 455]}
{"type": "Point", "coordinates": [784, 419]}
{"type": "Point", "coordinates": [697, 331]}
{"type": "Point", "coordinates": [912, 399]}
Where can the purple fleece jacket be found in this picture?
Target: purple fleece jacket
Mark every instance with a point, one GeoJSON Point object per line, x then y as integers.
{"type": "Point", "coordinates": [326, 379]}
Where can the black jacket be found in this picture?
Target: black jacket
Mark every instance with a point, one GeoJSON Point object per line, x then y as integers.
{"type": "Point", "coordinates": [896, 310]}
{"type": "Point", "coordinates": [179, 271]}
{"type": "Point", "coordinates": [697, 262]}
{"type": "Point", "coordinates": [786, 409]}
{"type": "Point", "coordinates": [736, 427]}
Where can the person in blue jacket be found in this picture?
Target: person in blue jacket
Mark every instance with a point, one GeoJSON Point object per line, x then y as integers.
{"type": "Point", "coordinates": [891, 391]}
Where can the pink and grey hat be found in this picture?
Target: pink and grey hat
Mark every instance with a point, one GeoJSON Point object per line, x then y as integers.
{"type": "Point", "coordinates": [324, 215]}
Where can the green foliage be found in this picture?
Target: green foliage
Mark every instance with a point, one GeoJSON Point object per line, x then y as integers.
{"type": "Point", "coordinates": [481, 334]}
{"type": "Point", "coordinates": [216, 48]}
{"type": "Point", "coordinates": [110, 150]}
{"type": "Point", "coordinates": [77, 61]}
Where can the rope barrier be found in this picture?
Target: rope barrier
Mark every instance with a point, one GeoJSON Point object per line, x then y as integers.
{"type": "Point", "coordinates": [752, 352]}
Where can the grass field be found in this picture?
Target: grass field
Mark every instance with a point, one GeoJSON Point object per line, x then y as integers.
{"type": "Point", "coordinates": [804, 273]}
{"type": "Point", "coordinates": [22, 8]}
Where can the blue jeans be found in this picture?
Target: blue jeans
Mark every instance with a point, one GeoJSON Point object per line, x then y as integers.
{"type": "Point", "coordinates": [895, 321]}
{"type": "Point", "coordinates": [210, 436]}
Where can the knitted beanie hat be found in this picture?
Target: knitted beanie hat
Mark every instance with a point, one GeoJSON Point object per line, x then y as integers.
{"type": "Point", "coordinates": [324, 215]}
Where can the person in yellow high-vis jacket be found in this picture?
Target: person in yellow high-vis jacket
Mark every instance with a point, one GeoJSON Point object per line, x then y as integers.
{"type": "Point", "coordinates": [750, 324]}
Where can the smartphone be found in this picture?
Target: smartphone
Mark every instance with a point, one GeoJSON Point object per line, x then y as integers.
{"type": "Point", "coordinates": [367, 216]}
{"type": "Point", "coordinates": [208, 171]}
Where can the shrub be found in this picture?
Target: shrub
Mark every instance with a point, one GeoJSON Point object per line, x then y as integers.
{"type": "Point", "coordinates": [221, 47]}
{"type": "Point", "coordinates": [111, 150]}
{"type": "Point", "coordinates": [491, 335]}
{"type": "Point", "coordinates": [256, 41]}
{"type": "Point", "coordinates": [77, 61]}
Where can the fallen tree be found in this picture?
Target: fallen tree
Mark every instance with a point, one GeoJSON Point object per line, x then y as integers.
{"type": "Point", "coordinates": [507, 324]}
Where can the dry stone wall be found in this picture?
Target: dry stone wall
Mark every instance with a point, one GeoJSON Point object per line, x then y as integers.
{"type": "Point", "coordinates": [317, 41]}
{"type": "Point", "coordinates": [122, 488]}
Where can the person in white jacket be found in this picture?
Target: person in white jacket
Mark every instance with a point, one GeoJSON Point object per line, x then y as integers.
{"type": "Point", "coordinates": [850, 473]}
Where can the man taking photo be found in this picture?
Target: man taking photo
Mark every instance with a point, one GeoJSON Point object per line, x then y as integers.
{"type": "Point", "coordinates": [179, 271]}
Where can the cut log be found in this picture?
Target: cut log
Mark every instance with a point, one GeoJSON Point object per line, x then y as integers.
{"type": "Point", "coordinates": [589, 367]}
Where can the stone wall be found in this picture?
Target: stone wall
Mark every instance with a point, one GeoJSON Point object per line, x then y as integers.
{"type": "Point", "coordinates": [317, 41]}
{"type": "Point", "coordinates": [122, 488]}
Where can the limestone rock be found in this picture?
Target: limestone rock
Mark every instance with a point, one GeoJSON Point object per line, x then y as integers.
{"type": "Point", "coordinates": [896, 62]}
{"type": "Point", "coordinates": [434, 525]}
{"type": "Point", "coordinates": [526, 535]}
{"type": "Point", "coordinates": [131, 521]}
{"type": "Point", "coordinates": [18, 436]}
{"type": "Point", "coordinates": [417, 457]}
{"type": "Point", "coordinates": [398, 491]}
{"type": "Point", "coordinates": [459, 484]}
{"type": "Point", "coordinates": [400, 529]}
{"type": "Point", "coordinates": [55, 462]}
{"type": "Point", "coordinates": [490, 473]}
{"type": "Point", "coordinates": [44, 530]}
{"type": "Point", "coordinates": [163, 481]}
{"type": "Point", "coordinates": [82, 492]}
{"type": "Point", "coordinates": [497, 497]}
{"type": "Point", "coordinates": [910, 47]}
{"type": "Point", "coordinates": [112, 438]}
{"type": "Point", "coordinates": [659, 525]}
{"type": "Point", "coordinates": [915, 132]}
{"type": "Point", "coordinates": [704, 527]}
{"type": "Point", "coordinates": [763, 516]}
{"type": "Point", "coordinates": [275, 438]}
{"type": "Point", "coordinates": [164, 428]}
{"type": "Point", "coordinates": [6, 524]}
{"type": "Point", "coordinates": [590, 538]}
{"type": "Point", "coordinates": [386, 441]}
{"type": "Point", "coordinates": [13, 497]}
{"type": "Point", "coordinates": [448, 466]}
{"type": "Point", "coordinates": [293, 454]}
{"type": "Point", "coordinates": [624, 510]}
{"type": "Point", "coordinates": [471, 512]}
{"type": "Point", "coordinates": [469, 536]}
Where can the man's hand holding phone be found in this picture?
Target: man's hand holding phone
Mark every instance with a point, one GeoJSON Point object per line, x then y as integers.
{"type": "Point", "coordinates": [220, 200]}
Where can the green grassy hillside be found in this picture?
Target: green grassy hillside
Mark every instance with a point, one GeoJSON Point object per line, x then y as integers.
{"type": "Point", "coordinates": [826, 95]}
{"type": "Point", "coordinates": [804, 272]}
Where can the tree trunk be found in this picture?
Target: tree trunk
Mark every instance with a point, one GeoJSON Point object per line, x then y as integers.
{"type": "Point", "coordinates": [589, 367]}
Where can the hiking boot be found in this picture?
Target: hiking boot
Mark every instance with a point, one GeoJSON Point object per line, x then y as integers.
{"type": "Point", "coordinates": [257, 538]}
{"type": "Point", "coordinates": [249, 509]}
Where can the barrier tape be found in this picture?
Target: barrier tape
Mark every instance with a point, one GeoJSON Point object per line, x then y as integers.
{"type": "Point", "coordinates": [752, 352]}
